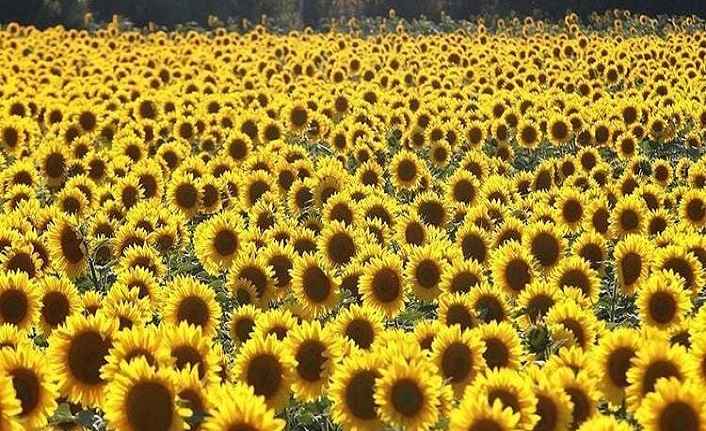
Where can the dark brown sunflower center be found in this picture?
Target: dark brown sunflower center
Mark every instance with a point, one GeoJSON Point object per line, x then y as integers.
{"type": "Point", "coordinates": [186, 195]}
{"type": "Point", "coordinates": [27, 387]}
{"type": "Point", "coordinates": [407, 397]}
{"type": "Point", "coordinates": [496, 354]}
{"type": "Point", "coordinates": [548, 414]}
{"type": "Point", "coordinates": [317, 285]}
{"type": "Point", "coordinates": [359, 395]}
{"type": "Point", "coordinates": [655, 371]}
{"type": "Point", "coordinates": [407, 170]}
{"type": "Point", "coordinates": [517, 274]}
{"type": "Point", "coordinates": [55, 308]}
{"type": "Point", "coordinates": [71, 245]}
{"type": "Point", "coordinates": [428, 273]}
{"type": "Point", "coordinates": [187, 355]}
{"type": "Point", "coordinates": [193, 310]}
{"type": "Point", "coordinates": [13, 306]}
{"type": "Point", "coordinates": [387, 285]}
{"type": "Point", "coordinates": [545, 249]}
{"type": "Point", "coordinates": [662, 307]}
{"type": "Point", "coordinates": [341, 248]}
{"type": "Point", "coordinates": [243, 328]}
{"type": "Point", "coordinates": [361, 332]}
{"type": "Point", "coordinates": [678, 415]}
{"type": "Point", "coordinates": [149, 406]}
{"type": "Point", "coordinates": [87, 354]}
{"type": "Point", "coordinates": [310, 359]}
{"type": "Point", "coordinates": [619, 364]}
{"type": "Point", "coordinates": [226, 242]}
{"type": "Point", "coordinates": [457, 362]}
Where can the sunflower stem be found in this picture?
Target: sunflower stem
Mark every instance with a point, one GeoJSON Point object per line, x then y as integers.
{"type": "Point", "coordinates": [94, 276]}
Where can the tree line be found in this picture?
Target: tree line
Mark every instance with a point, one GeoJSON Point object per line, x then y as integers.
{"type": "Point", "coordinates": [296, 13]}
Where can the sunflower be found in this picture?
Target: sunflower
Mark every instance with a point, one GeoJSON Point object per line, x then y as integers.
{"type": "Point", "coordinates": [140, 398]}
{"type": "Point", "coordinates": [461, 188]}
{"type": "Point", "coordinates": [242, 324]}
{"type": "Point", "coordinates": [406, 169]}
{"type": "Point", "coordinates": [571, 324]}
{"type": "Point", "coordinates": [183, 194]}
{"type": "Point", "coordinates": [553, 404]}
{"type": "Point", "coordinates": [188, 300]}
{"type": "Point", "coordinates": [424, 269]}
{"type": "Point", "coordinates": [67, 248]}
{"type": "Point", "coordinates": [662, 300]}
{"type": "Point", "coordinates": [338, 243]}
{"type": "Point", "coordinates": [19, 300]}
{"type": "Point", "coordinates": [457, 309]}
{"type": "Point", "coordinates": [139, 283]}
{"type": "Point", "coordinates": [352, 392]}
{"type": "Point", "coordinates": [185, 347]}
{"type": "Point", "coordinates": [576, 272]}
{"type": "Point", "coordinates": [502, 345]}
{"type": "Point", "coordinates": [528, 134]}
{"type": "Point", "coordinates": [277, 322]}
{"type": "Point", "coordinates": [316, 352]}
{"type": "Point", "coordinates": [77, 351]}
{"type": "Point", "coordinates": [632, 262]}
{"type": "Point", "coordinates": [360, 326]}
{"type": "Point", "coordinates": [10, 405]}
{"type": "Point", "coordinates": [489, 303]}
{"type": "Point", "coordinates": [628, 216]}
{"type": "Point", "coordinates": [692, 207]}
{"type": "Point", "coordinates": [431, 209]}
{"type": "Point", "coordinates": [459, 356]}
{"type": "Point", "coordinates": [130, 344]}
{"type": "Point", "coordinates": [673, 405]}
{"type": "Point", "coordinates": [476, 415]}
{"type": "Point", "coordinates": [382, 284]}
{"type": "Point", "coordinates": [655, 360]}
{"type": "Point", "coordinates": [238, 407]}
{"type": "Point", "coordinates": [144, 257]}
{"type": "Point", "coordinates": [546, 243]}
{"type": "Point", "coordinates": [34, 388]}
{"type": "Point", "coordinates": [581, 390]}
{"type": "Point", "coordinates": [60, 300]}
{"type": "Point", "coordinates": [612, 359]}
{"type": "Point", "coordinates": [474, 243]}
{"type": "Point", "coordinates": [21, 258]}
{"type": "Point", "coordinates": [662, 172]}
{"type": "Point", "coordinates": [408, 395]}
{"type": "Point", "coordinates": [461, 276]}
{"type": "Point", "coordinates": [314, 285]}
{"type": "Point", "coordinates": [512, 389]}
{"type": "Point", "coordinates": [684, 264]}
{"type": "Point", "coordinates": [513, 268]}
{"type": "Point", "coordinates": [265, 364]}
{"type": "Point", "coordinates": [217, 241]}
{"type": "Point", "coordinates": [570, 208]}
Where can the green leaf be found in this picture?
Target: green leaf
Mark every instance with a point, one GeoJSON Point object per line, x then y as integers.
{"type": "Point", "coordinates": [62, 415]}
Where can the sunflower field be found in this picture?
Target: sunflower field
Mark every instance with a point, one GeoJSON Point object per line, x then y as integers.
{"type": "Point", "coordinates": [492, 227]}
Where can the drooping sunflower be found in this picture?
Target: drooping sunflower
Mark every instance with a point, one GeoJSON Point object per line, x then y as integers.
{"type": "Point", "coordinates": [77, 352]}
{"type": "Point", "coordinates": [238, 407]}
{"type": "Point", "coordinates": [316, 352]}
{"type": "Point", "coordinates": [265, 364]}
{"type": "Point", "coordinates": [191, 301]}
{"type": "Point", "coordinates": [142, 398]}
{"type": "Point", "coordinates": [314, 285]}
{"type": "Point", "coordinates": [458, 355]}
{"type": "Point", "coordinates": [352, 392]}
